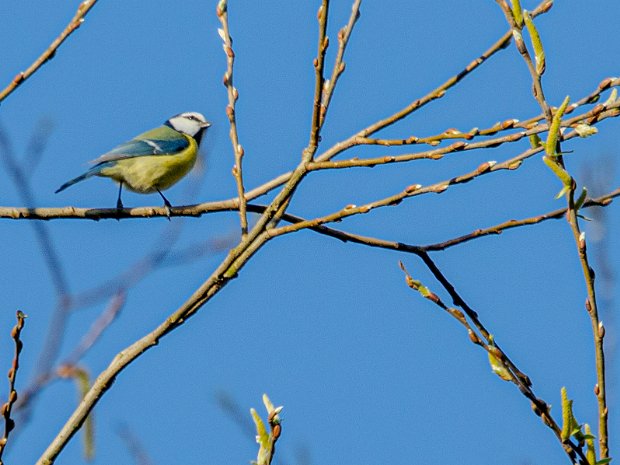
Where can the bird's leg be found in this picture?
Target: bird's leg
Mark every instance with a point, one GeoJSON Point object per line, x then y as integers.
{"type": "Point", "coordinates": [119, 202]}
{"type": "Point", "coordinates": [166, 203]}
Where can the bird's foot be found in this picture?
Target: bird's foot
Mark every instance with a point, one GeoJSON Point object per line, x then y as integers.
{"type": "Point", "coordinates": [119, 209]}
{"type": "Point", "coordinates": [168, 208]}
{"type": "Point", "coordinates": [167, 204]}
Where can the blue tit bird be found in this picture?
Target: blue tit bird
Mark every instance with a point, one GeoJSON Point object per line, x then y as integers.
{"type": "Point", "coordinates": [152, 161]}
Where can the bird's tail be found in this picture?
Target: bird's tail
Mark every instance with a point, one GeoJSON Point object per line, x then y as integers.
{"type": "Point", "coordinates": [81, 177]}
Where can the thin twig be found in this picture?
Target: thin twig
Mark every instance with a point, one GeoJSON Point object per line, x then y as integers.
{"type": "Point", "coordinates": [436, 154]}
{"type": "Point", "coordinates": [510, 371]}
{"type": "Point", "coordinates": [49, 53]}
{"type": "Point", "coordinates": [318, 110]}
{"type": "Point", "coordinates": [344, 236]}
{"type": "Point", "coordinates": [500, 126]}
{"type": "Point", "coordinates": [343, 39]}
{"type": "Point", "coordinates": [97, 328]}
{"type": "Point", "coordinates": [522, 48]}
{"type": "Point", "coordinates": [598, 330]}
{"type": "Point", "coordinates": [233, 95]}
{"type": "Point", "coordinates": [601, 201]}
{"type": "Point", "coordinates": [7, 407]}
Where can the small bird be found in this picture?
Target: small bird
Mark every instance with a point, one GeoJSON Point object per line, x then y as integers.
{"type": "Point", "coordinates": [154, 160]}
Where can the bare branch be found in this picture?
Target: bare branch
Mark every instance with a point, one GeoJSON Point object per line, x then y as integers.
{"type": "Point", "coordinates": [49, 53]}
{"type": "Point", "coordinates": [233, 95]}
{"type": "Point", "coordinates": [7, 407]}
{"type": "Point", "coordinates": [509, 370]}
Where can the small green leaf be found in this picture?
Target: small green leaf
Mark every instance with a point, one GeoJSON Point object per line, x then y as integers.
{"type": "Point", "coordinates": [567, 415]}
{"type": "Point", "coordinates": [267, 403]}
{"type": "Point", "coordinates": [497, 365]}
{"type": "Point", "coordinates": [590, 450]}
{"type": "Point", "coordinates": [582, 198]}
{"type": "Point", "coordinates": [570, 426]}
{"type": "Point", "coordinates": [262, 437]}
{"type": "Point", "coordinates": [499, 368]}
{"type": "Point", "coordinates": [517, 12]}
{"type": "Point", "coordinates": [539, 52]}
{"type": "Point", "coordinates": [604, 461]}
{"type": "Point", "coordinates": [535, 141]}
{"type": "Point", "coordinates": [554, 130]}
{"type": "Point", "coordinates": [560, 172]}
{"type": "Point", "coordinates": [562, 192]}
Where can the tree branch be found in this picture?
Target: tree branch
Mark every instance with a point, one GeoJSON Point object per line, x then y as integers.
{"type": "Point", "coordinates": [49, 53]}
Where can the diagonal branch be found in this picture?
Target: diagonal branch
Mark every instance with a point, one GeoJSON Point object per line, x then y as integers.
{"type": "Point", "coordinates": [343, 39]}
{"type": "Point", "coordinates": [509, 371]}
{"type": "Point", "coordinates": [49, 53]}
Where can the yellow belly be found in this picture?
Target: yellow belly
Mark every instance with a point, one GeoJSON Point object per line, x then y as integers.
{"type": "Point", "coordinates": [148, 174]}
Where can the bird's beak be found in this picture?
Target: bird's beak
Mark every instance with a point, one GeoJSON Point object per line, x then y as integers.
{"type": "Point", "coordinates": [206, 124]}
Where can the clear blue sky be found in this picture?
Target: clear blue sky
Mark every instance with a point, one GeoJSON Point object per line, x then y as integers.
{"type": "Point", "coordinates": [368, 372]}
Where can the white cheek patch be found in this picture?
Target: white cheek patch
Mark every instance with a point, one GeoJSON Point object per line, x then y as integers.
{"type": "Point", "coordinates": [185, 125]}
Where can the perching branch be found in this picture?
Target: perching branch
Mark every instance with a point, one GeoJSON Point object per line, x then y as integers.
{"type": "Point", "coordinates": [598, 113]}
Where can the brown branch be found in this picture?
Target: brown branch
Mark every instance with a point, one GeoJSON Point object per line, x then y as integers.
{"type": "Point", "coordinates": [601, 201]}
{"type": "Point", "coordinates": [318, 110]}
{"type": "Point", "coordinates": [536, 74]}
{"type": "Point", "coordinates": [436, 154]}
{"type": "Point", "coordinates": [49, 53]}
{"type": "Point", "coordinates": [233, 95]}
{"type": "Point", "coordinates": [343, 39]}
{"type": "Point", "coordinates": [500, 126]}
{"type": "Point", "coordinates": [598, 330]}
{"type": "Point", "coordinates": [344, 236]}
{"type": "Point", "coordinates": [510, 372]}
{"type": "Point", "coordinates": [7, 407]}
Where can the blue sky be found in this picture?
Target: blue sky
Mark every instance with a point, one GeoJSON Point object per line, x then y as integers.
{"type": "Point", "coordinates": [368, 372]}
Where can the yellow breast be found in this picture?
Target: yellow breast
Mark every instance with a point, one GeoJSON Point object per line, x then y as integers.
{"type": "Point", "coordinates": [148, 174]}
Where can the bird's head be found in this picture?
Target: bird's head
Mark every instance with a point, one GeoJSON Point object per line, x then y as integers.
{"type": "Point", "coordinates": [190, 123]}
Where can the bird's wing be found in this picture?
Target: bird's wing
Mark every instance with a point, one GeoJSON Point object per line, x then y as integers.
{"type": "Point", "coordinates": [144, 147]}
